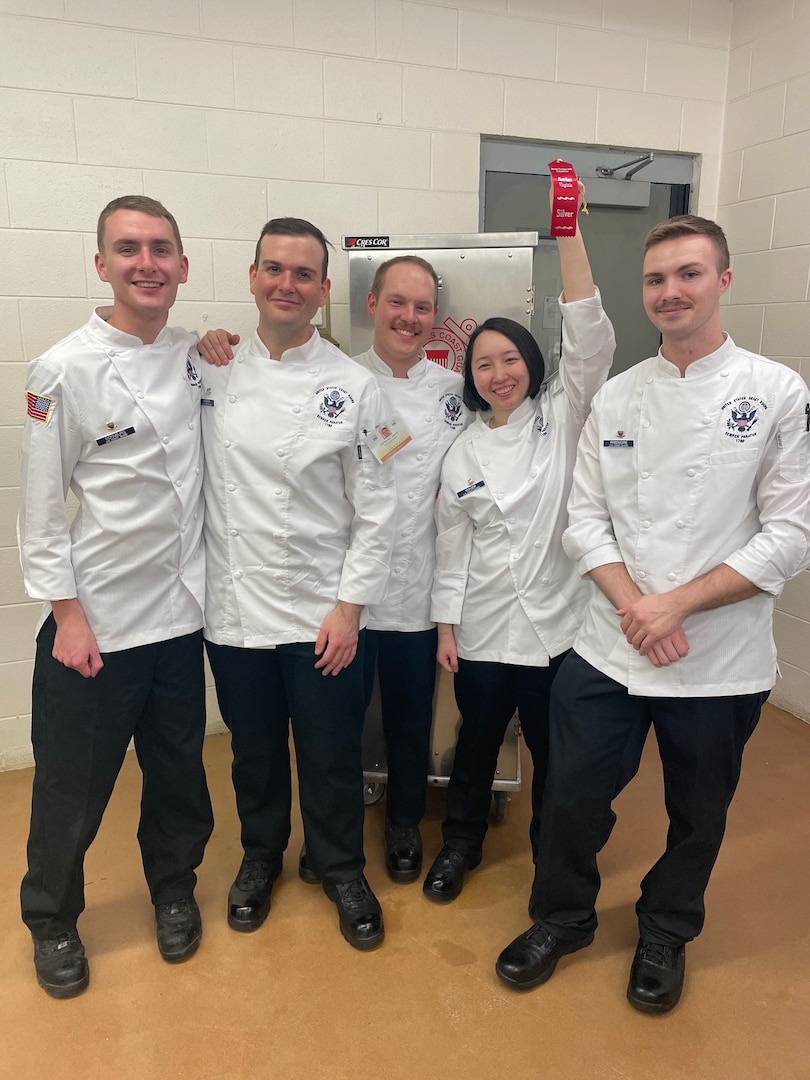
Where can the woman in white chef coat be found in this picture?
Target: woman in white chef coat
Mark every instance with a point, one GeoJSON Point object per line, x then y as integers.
{"type": "Point", "coordinates": [506, 598]}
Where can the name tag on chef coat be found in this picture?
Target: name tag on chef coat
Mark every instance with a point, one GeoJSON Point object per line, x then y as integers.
{"type": "Point", "coordinates": [620, 444]}
{"type": "Point", "coordinates": [387, 439]}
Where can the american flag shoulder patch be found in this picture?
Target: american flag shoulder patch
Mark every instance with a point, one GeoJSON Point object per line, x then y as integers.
{"type": "Point", "coordinates": [39, 407]}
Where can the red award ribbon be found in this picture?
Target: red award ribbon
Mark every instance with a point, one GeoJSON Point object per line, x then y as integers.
{"type": "Point", "coordinates": [565, 198]}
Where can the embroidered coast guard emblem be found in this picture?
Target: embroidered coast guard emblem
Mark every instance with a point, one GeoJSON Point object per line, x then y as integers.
{"type": "Point", "coordinates": [452, 410]}
{"type": "Point", "coordinates": [191, 373]}
{"type": "Point", "coordinates": [333, 402]}
{"type": "Point", "coordinates": [744, 418]}
{"type": "Point", "coordinates": [741, 416]}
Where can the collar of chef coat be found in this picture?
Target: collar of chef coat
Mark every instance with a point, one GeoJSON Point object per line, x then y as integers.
{"type": "Point", "coordinates": [298, 353]}
{"type": "Point", "coordinates": [704, 366]}
{"type": "Point", "coordinates": [379, 366]}
{"type": "Point", "coordinates": [515, 418]}
{"type": "Point", "coordinates": [113, 337]}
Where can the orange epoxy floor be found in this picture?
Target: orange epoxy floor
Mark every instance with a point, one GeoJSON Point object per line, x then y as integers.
{"type": "Point", "coordinates": [294, 1001]}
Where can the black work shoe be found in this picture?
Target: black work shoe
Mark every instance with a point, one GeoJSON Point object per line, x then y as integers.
{"type": "Point", "coordinates": [530, 959]}
{"type": "Point", "coordinates": [179, 929]}
{"type": "Point", "coordinates": [249, 898]}
{"type": "Point", "coordinates": [361, 921]}
{"type": "Point", "coordinates": [403, 852]}
{"type": "Point", "coordinates": [445, 879]}
{"type": "Point", "coordinates": [305, 871]}
{"type": "Point", "coordinates": [61, 966]}
{"type": "Point", "coordinates": [656, 977]}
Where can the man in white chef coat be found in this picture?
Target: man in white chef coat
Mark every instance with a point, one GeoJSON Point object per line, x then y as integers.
{"type": "Point", "coordinates": [300, 516]}
{"type": "Point", "coordinates": [401, 640]}
{"type": "Point", "coordinates": [113, 415]}
{"type": "Point", "coordinates": [690, 510]}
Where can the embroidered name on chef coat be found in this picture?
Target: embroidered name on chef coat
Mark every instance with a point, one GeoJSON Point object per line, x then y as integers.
{"type": "Point", "coordinates": [472, 487]}
{"type": "Point", "coordinates": [116, 435]}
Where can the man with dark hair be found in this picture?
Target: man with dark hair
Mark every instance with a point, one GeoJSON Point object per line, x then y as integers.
{"type": "Point", "coordinates": [299, 518]}
{"type": "Point", "coordinates": [113, 415]}
{"type": "Point", "coordinates": [690, 510]}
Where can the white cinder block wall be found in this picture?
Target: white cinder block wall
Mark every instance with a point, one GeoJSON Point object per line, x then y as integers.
{"type": "Point", "coordinates": [364, 116]}
{"type": "Point", "coordinates": [764, 205]}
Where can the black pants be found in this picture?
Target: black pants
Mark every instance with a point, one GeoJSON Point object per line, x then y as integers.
{"type": "Point", "coordinates": [260, 691]}
{"type": "Point", "coordinates": [700, 741]}
{"type": "Point", "coordinates": [406, 665]}
{"type": "Point", "coordinates": [487, 695]}
{"type": "Point", "coordinates": [80, 729]}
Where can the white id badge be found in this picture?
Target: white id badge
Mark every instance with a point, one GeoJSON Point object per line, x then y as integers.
{"type": "Point", "coordinates": [387, 438]}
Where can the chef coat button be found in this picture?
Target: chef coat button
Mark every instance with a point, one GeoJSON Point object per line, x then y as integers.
{"type": "Point", "coordinates": [227, 443]}
{"type": "Point", "coordinates": [111, 353]}
{"type": "Point", "coordinates": [671, 577]}
{"type": "Point", "coordinates": [197, 472]}
{"type": "Point", "coordinates": [645, 423]}
{"type": "Point", "coordinates": [511, 521]}
{"type": "Point", "coordinates": [680, 524]}
{"type": "Point", "coordinates": [690, 472]}
{"type": "Point", "coordinates": [649, 379]}
{"type": "Point", "coordinates": [645, 475]}
{"type": "Point", "coordinates": [410, 495]}
{"type": "Point", "coordinates": [707, 420]}
{"type": "Point", "coordinates": [404, 533]}
{"type": "Point", "coordinates": [420, 457]}
{"type": "Point", "coordinates": [724, 374]}
{"type": "Point", "coordinates": [397, 569]}
{"type": "Point", "coordinates": [165, 439]}
{"type": "Point", "coordinates": [642, 574]}
{"type": "Point", "coordinates": [533, 473]}
{"type": "Point", "coordinates": [180, 571]}
{"type": "Point", "coordinates": [521, 592]}
{"type": "Point", "coordinates": [646, 524]}
{"type": "Point", "coordinates": [240, 360]}
{"type": "Point", "coordinates": [537, 543]}
{"type": "Point", "coordinates": [428, 419]}
{"type": "Point", "coordinates": [195, 517]}
{"type": "Point", "coordinates": [432, 383]}
{"type": "Point", "coordinates": [296, 408]}
{"type": "Point", "coordinates": [178, 483]}
{"type": "Point", "coordinates": [231, 398]}
{"type": "Point", "coordinates": [513, 555]}
{"type": "Point", "coordinates": [279, 491]}
{"type": "Point", "coordinates": [281, 452]}
{"type": "Point", "coordinates": [191, 427]}
{"type": "Point", "coordinates": [182, 528]}
{"type": "Point", "coordinates": [498, 494]}
{"type": "Point", "coordinates": [313, 371]}
{"type": "Point", "coordinates": [234, 532]}
{"type": "Point", "coordinates": [485, 461]}
{"type": "Point", "coordinates": [231, 487]}
{"type": "Point", "coordinates": [238, 575]}
{"type": "Point", "coordinates": [141, 395]}
{"type": "Point", "coordinates": [544, 581]}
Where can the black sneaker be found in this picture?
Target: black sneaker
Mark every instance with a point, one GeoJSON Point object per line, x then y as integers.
{"type": "Point", "coordinates": [179, 929]}
{"type": "Point", "coordinates": [361, 921]}
{"type": "Point", "coordinates": [656, 977]}
{"type": "Point", "coordinates": [249, 897]}
{"type": "Point", "coordinates": [445, 879]}
{"type": "Point", "coordinates": [403, 852]}
{"type": "Point", "coordinates": [61, 966]}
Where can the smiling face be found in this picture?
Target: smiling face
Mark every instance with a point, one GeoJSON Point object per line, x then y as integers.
{"type": "Point", "coordinates": [682, 289]}
{"type": "Point", "coordinates": [140, 259]}
{"type": "Point", "coordinates": [288, 288]}
{"type": "Point", "coordinates": [403, 314]}
{"type": "Point", "coordinates": [499, 374]}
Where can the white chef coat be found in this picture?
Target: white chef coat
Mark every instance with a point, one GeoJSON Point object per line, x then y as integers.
{"type": "Point", "coordinates": [677, 475]}
{"type": "Point", "coordinates": [299, 513]}
{"type": "Point", "coordinates": [123, 433]}
{"type": "Point", "coordinates": [502, 577]}
{"type": "Point", "coordinates": [430, 407]}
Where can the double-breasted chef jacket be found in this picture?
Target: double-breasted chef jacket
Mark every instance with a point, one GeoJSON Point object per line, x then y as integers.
{"type": "Point", "coordinates": [299, 512]}
{"type": "Point", "coordinates": [677, 475]}
{"type": "Point", "coordinates": [502, 578]}
{"type": "Point", "coordinates": [430, 407]}
{"type": "Point", "coordinates": [121, 429]}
